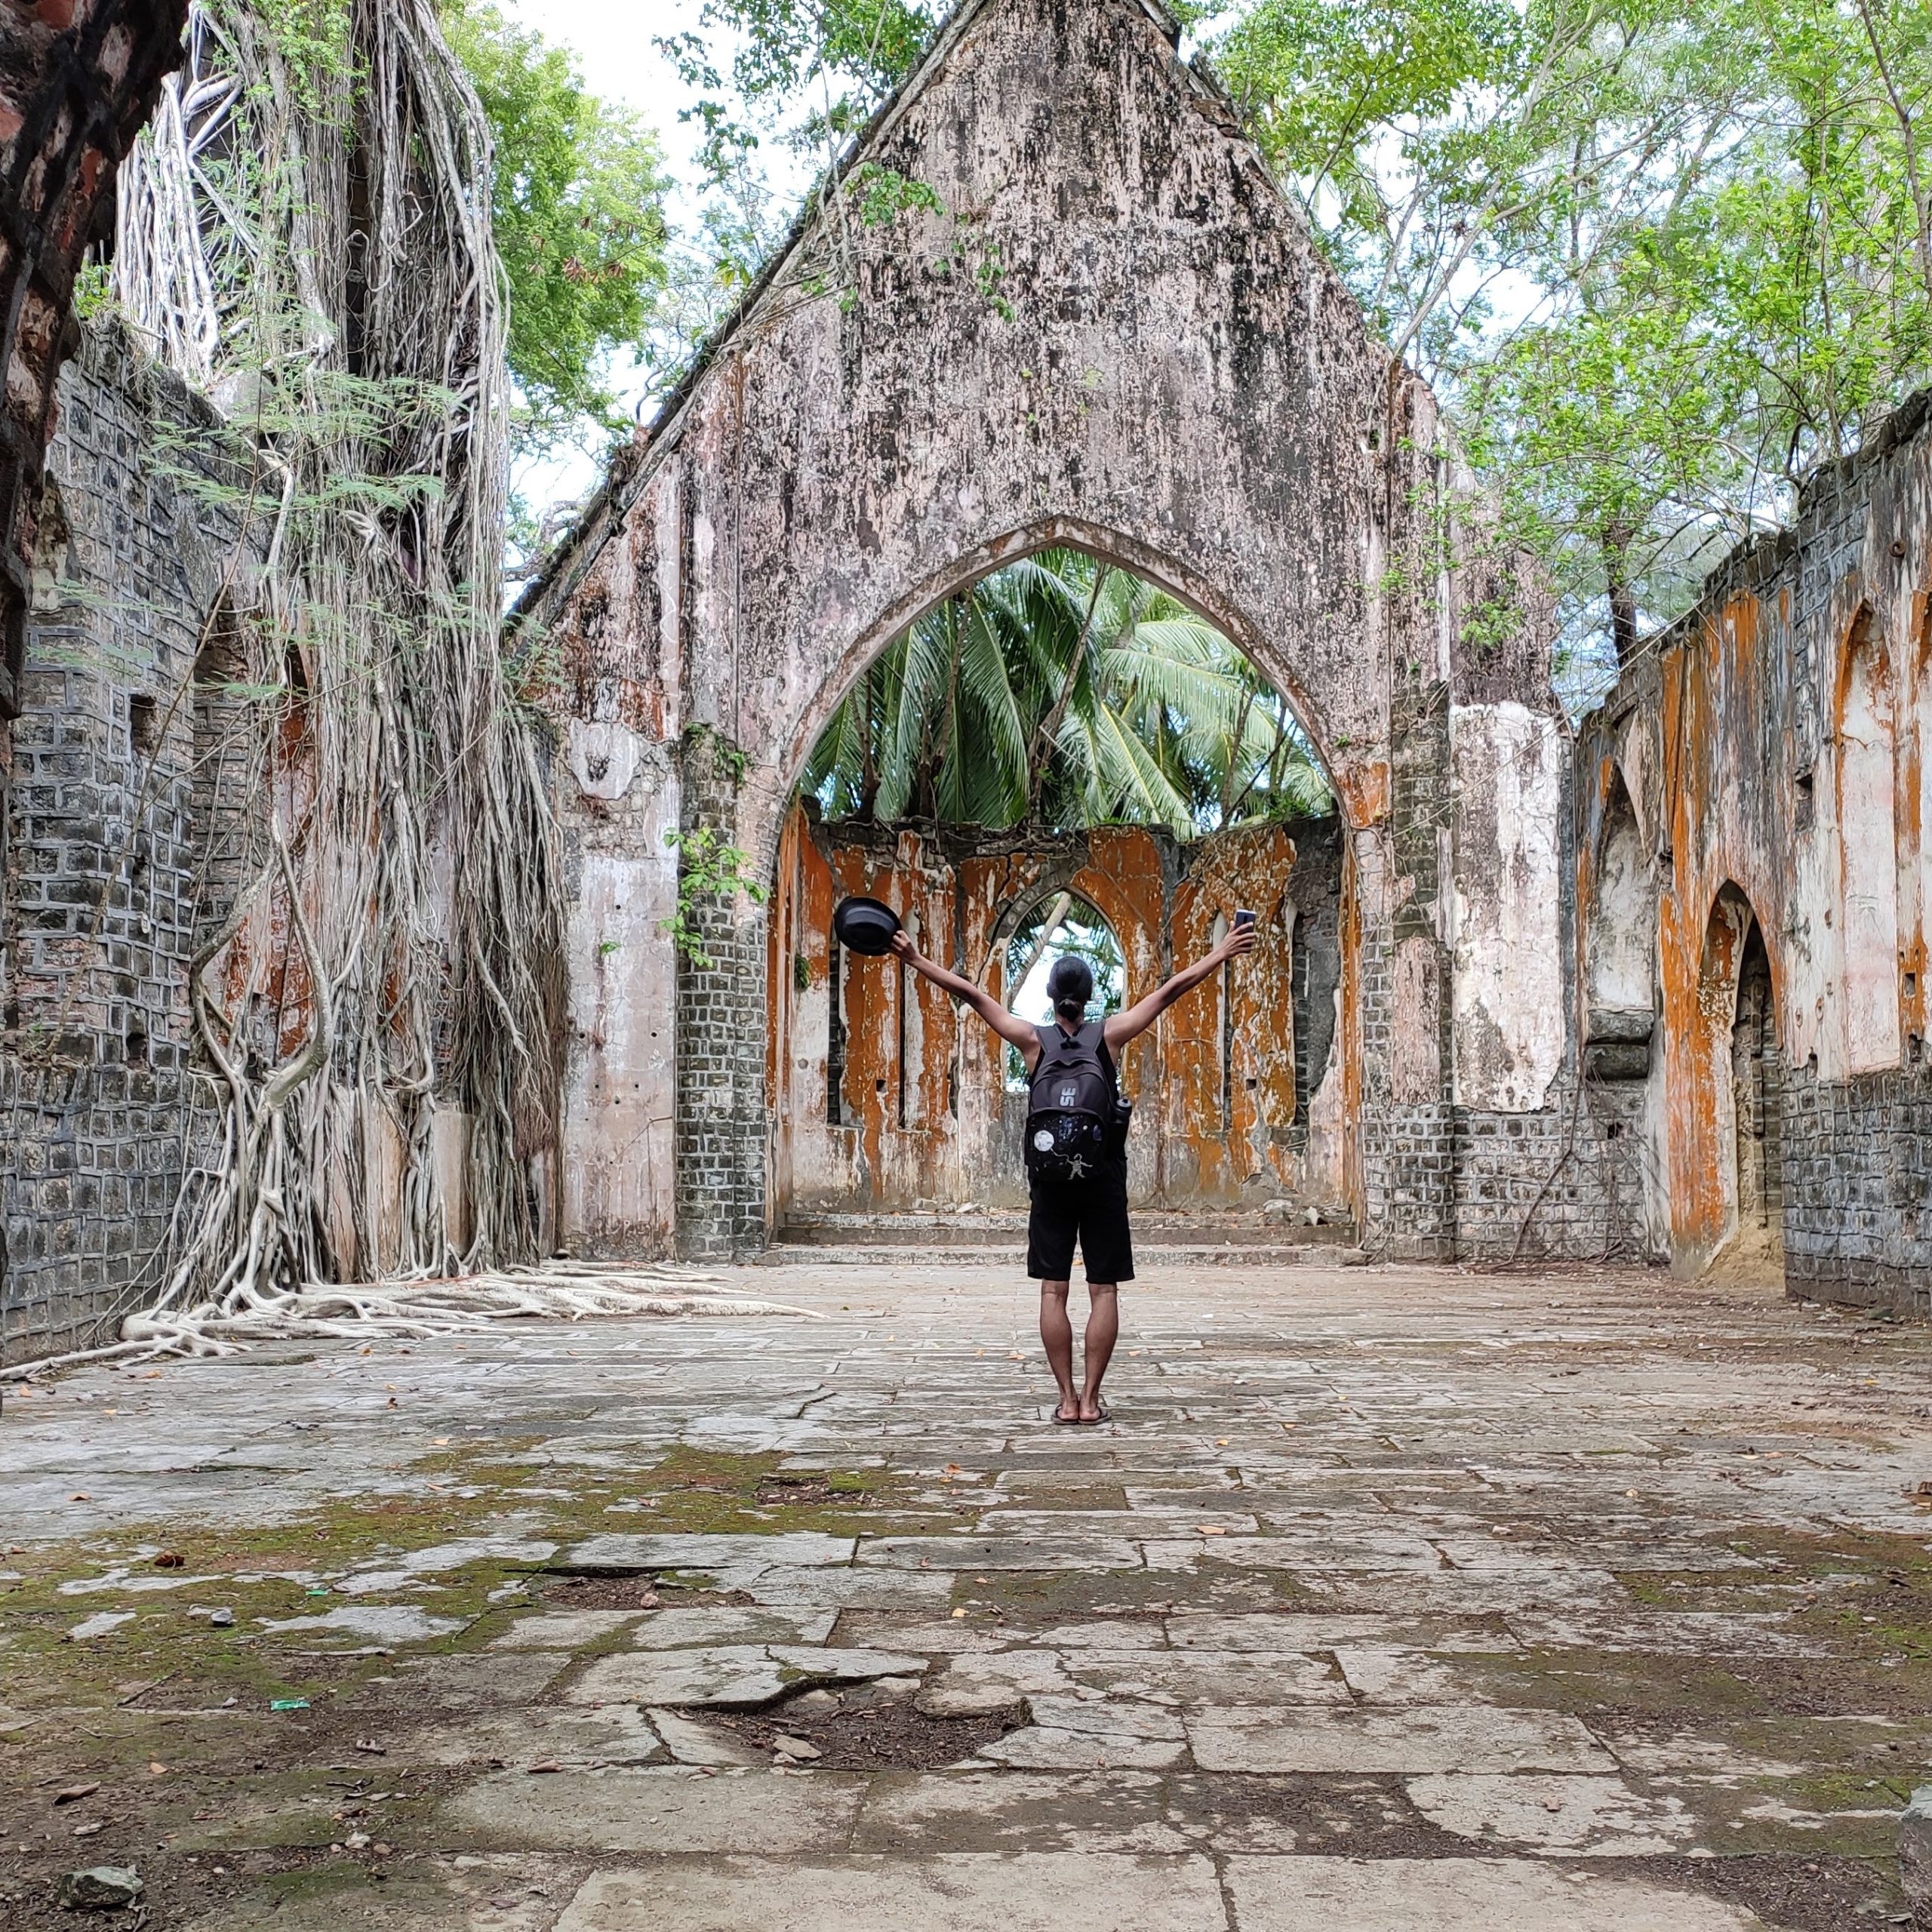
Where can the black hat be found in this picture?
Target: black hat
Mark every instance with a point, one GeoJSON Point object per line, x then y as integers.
{"type": "Point", "coordinates": [1071, 979]}
{"type": "Point", "coordinates": [865, 925]}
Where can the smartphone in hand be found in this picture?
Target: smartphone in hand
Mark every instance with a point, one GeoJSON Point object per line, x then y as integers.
{"type": "Point", "coordinates": [1243, 919]}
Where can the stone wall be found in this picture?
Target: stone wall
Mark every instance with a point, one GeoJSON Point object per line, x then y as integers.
{"type": "Point", "coordinates": [1761, 775]}
{"type": "Point", "coordinates": [1857, 1189]}
{"type": "Point", "coordinates": [1107, 328]}
{"type": "Point", "coordinates": [105, 852]}
{"type": "Point", "coordinates": [77, 78]}
{"type": "Point", "coordinates": [886, 1095]}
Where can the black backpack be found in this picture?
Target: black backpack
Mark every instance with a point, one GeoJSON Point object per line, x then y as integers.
{"type": "Point", "coordinates": [1074, 1115]}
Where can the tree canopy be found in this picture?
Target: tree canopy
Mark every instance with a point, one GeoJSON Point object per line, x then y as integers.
{"type": "Point", "coordinates": [577, 198]}
{"type": "Point", "coordinates": [1062, 692]}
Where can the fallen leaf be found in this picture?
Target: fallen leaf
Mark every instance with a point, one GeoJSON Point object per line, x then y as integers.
{"type": "Point", "coordinates": [75, 1792]}
{"type": "Point", "coordinates": [548, 1765]}
{"type": "Point", "coordinates": [80, 1496]}
{"type": "Point", "coordinates": [959, 1613]}
{"type": "Point", "coordinates": [1211, 1529]}
{"type": "Point", "coordinates": [170, 1559]}
{"type": "Point", "coordinates": [370, 1745]}
{"type": "Point", "coordinates": [88, 1831]}
{"type": "Point", "coordinates": [157, 1771]}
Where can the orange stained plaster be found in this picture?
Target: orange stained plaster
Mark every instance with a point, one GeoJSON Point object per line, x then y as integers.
{"type": "Point", "coordinates": [923, 1087]}
{"type": "Point", "coordinates": [1363, 792]}
{"type": "Point", "coordinates": [1710, 688]}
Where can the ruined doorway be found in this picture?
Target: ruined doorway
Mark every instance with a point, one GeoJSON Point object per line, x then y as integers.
{"type": "Point", "coordinates": [1757, 1085]}
{"type": "Point", "coordinates": [1145, 782]}
{"type": "Point", "coordinates": [1741, 1180]}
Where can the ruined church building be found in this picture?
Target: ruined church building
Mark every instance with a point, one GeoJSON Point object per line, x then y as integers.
{"type": "Point", "coordinates": [1651, 989]}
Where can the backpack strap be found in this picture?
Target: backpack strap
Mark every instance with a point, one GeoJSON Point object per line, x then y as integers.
{"type": "Point", "coordinates": [1097, 1030]}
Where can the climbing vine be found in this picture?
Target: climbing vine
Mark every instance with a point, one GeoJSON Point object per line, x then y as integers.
{"type": "Point", "coordinates": [708, 870]}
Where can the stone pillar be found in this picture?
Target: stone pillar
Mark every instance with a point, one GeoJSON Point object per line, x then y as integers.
{"type": "Point", "coordinates": [722, 1138]}
{"type": "Point", "coordinates": [1407, 1146]}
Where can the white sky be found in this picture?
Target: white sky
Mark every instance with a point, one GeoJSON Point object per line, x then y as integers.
{"type": "Point", "coordinates": [612, 39]}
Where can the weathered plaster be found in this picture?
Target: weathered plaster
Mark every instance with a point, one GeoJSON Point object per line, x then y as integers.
{"type": "Point", "coordinates": [1509, 1002]}
{"type": "Point", "coordinates": [1771, 746]}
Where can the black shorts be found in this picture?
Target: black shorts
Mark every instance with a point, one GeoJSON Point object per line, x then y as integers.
{"type": "Point", "coordinates": [1092, 1212]}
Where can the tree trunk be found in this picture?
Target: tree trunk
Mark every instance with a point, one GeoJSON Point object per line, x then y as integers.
{"type": "Point", "coordinates": [1615, 548]}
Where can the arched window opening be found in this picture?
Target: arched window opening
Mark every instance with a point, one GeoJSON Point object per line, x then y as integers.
{"type": "Point", "coordinates": [1868, 847]}
{"type": "Point", "coordinates": [1062, 692]}
{"type": "Point", "coordinates": [1620, 947]}
{"type": "Point", "coordinates": [1757, 1082]}
{"type": "Point", "coordinates": [1063, 925]}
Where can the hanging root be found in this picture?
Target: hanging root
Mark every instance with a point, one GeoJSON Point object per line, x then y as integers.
{"type": "Point", "coordinates": [304, 234]}
{"type": "Point", "coordinates": [419, 1310]}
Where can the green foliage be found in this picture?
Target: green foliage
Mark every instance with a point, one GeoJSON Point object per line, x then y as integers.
{"type": "Point", "coordinates": [578, 199]}
{"type": "Point", "coordinates": [709, 869]}
{"type": "Point", "coordinates": [1061, 690]}
{"type": "Point", "coordinates": [837, 59]}
{"type": "Point", "coordinates": [1658, 257]}
{"type": "Point", "coordinates": [313, 40]}
{"type": "Point", "coordinates": [94, 291]}
{"type": "Point", "coordinates": [884, 195]}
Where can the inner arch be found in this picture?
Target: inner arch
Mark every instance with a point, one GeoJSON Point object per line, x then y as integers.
{"type": "Point", "coordinates": [1170, 574]}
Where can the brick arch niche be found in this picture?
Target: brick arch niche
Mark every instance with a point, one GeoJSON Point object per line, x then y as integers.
{"type": "Point", "coordinates": [1111, 330]}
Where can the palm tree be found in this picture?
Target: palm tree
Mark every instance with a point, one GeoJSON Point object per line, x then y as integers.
{"type": "Point", "coordinates": [1063, 692]}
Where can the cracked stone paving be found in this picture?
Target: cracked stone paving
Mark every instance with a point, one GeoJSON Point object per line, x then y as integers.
{"type": "Point", "coordinates": [1389, 1597]}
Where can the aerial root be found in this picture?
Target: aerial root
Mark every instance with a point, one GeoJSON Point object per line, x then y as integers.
{"type": "Point", "coordinates": [420, 1311]}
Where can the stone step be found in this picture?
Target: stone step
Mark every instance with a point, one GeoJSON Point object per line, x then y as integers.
{"type": "Point", "coordinates": [998, 1227]}
{"type": "Point", "coordinates": [1149, 1255]}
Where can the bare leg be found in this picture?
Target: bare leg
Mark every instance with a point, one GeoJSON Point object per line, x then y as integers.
{"type": "Point", "coordinates": [1103, 1331]}
{"type": "Point", "coordinates": [1057, 1333]}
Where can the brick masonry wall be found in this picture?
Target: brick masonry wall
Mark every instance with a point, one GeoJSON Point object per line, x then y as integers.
{"type": "Point", "coordinates": [77, 78]}
{"type": "Point", "coordinates": [720, 1113]}
{"type": "Point", "coordinates": [1857, 1170]}
{"type": "Point", "coordinates": [100, 1111]}
{"type": "Point", "coordinates": [1567, 1181]}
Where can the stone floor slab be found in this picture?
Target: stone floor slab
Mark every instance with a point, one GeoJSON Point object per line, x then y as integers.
{"type": "Point", "coordinates": [1413, 1742]}
{"type": "Point", "coordinates": [1459, 1895]}
{"type": "Point", "coordinates": [948, 1892]}
{"type": "Point", "coordinates": [663, 1812]}
{"type": "Point", "coordinates": [731, 1675]}
{"type": "Point", "coordinates": [1602, 1816]}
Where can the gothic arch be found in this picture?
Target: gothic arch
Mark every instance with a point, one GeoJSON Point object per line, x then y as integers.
{"type": "Point", "coordinates": [1620, 939]}
{"type": "Point", "coordinates": [1865, 781]}
{"type": "Point", "coordinates": [1177, 579]}
{"type": "Point", "coordinates": [1738, 1068]}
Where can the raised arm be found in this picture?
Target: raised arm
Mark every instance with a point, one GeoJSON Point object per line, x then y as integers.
{"type": "Point", "coordinates": [1122, 1027]}
{"type": "Point", "coordinates": [1003, 1020]}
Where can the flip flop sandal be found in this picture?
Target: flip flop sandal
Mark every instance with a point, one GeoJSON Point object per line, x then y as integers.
{"type": "Point", "coordinates": [1093, 1421]}
{"type": "Point", "coordinates": [1066, 1421]}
